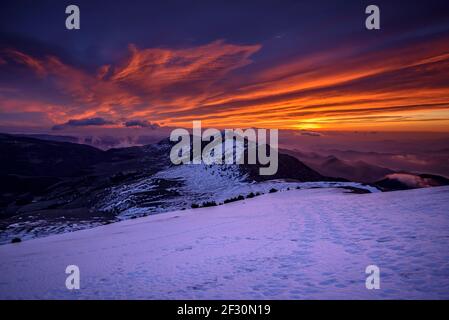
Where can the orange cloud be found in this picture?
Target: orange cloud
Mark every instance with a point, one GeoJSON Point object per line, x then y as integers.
{"type": "Point", "coordinates": [148, 80]}
{"type": "Point", "coordinates": [322, 91]}
{"type": "Point", "coordinates": [341, 89]}
{"type": "Point", "coordinates": [26, 60]}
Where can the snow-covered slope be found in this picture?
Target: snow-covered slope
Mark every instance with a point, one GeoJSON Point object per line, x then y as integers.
{"type": "Point", "coordinates": [181, 186]}
{"type": "Point", "coordinates": [125, 183]}
{"type": "Point", "coordinates": [299, 244]}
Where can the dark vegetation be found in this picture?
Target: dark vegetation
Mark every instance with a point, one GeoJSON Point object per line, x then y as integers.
{"type": "Point", "coordinates": [16, 240]}
{"type": "Point", "coordinates": [208, 204]}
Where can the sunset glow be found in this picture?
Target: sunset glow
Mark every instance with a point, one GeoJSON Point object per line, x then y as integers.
{"type": "Point", "coordinates": [354, 86]}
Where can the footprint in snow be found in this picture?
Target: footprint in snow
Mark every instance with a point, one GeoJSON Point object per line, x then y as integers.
{"type": "Point", "coordinates": [184, 248]}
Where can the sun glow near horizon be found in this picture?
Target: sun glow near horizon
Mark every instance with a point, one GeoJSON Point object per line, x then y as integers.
{"type": "Point", "coordinates": [394, 89]}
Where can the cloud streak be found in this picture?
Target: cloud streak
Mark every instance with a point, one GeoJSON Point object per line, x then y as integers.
{"type": "Point", "coordinates": [223, 85]}
{"type": "Point", "coordinates": [141, 124]}
{"type": "Point", "coordinates": [83, 123]}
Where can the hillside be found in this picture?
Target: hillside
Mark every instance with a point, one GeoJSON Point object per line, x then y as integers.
{"type": "Point", "coordinates": [300, 244]}
{"type": "Point", "coordinates": [49, 187]}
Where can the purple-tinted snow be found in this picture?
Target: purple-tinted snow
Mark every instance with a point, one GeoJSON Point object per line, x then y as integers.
{"type": "Point", "coordinates": [301, 244]}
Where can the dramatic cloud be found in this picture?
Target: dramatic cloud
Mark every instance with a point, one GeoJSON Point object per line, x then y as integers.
{"type": "Point", "coordinates": [396, 88]}
{"type": "Point", "coordinates": [141, 123]}
{"type": "Point", "coordinates": [163, 78]}
{"type": "Point", "coordinates": [83, 123]}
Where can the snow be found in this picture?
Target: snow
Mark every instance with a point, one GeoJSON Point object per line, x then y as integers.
{"type": "Point", "coordinates": [28, 229]}
{"type": "Point", "coordinates": [195, 184]}
{"type": "Point", "coordinates": [298, 244]}
{"type": "Point", "coordinates": [200, 183]}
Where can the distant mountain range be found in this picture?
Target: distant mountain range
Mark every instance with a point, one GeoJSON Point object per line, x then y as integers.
{"type": "Point", "coordinates": [359, 170]}
{"type": "Point", "coordinates": [100, 141]}
{"type": "Point", "coordinates": [332, 166]}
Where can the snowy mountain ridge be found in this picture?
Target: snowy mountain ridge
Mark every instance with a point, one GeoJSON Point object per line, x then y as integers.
{"type": "Point", "coordinates": [53, 187]}
{"type": "Point", "coordinates": [195, 184]}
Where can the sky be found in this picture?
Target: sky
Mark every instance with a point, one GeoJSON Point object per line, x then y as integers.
{"type": "Point", "coordinates": [297, 65]}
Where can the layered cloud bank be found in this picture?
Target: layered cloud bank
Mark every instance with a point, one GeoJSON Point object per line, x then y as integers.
{"type": "Point", "coordinates": [404, 87]}
{"type": "Point", "coordinates": [300, 65]}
